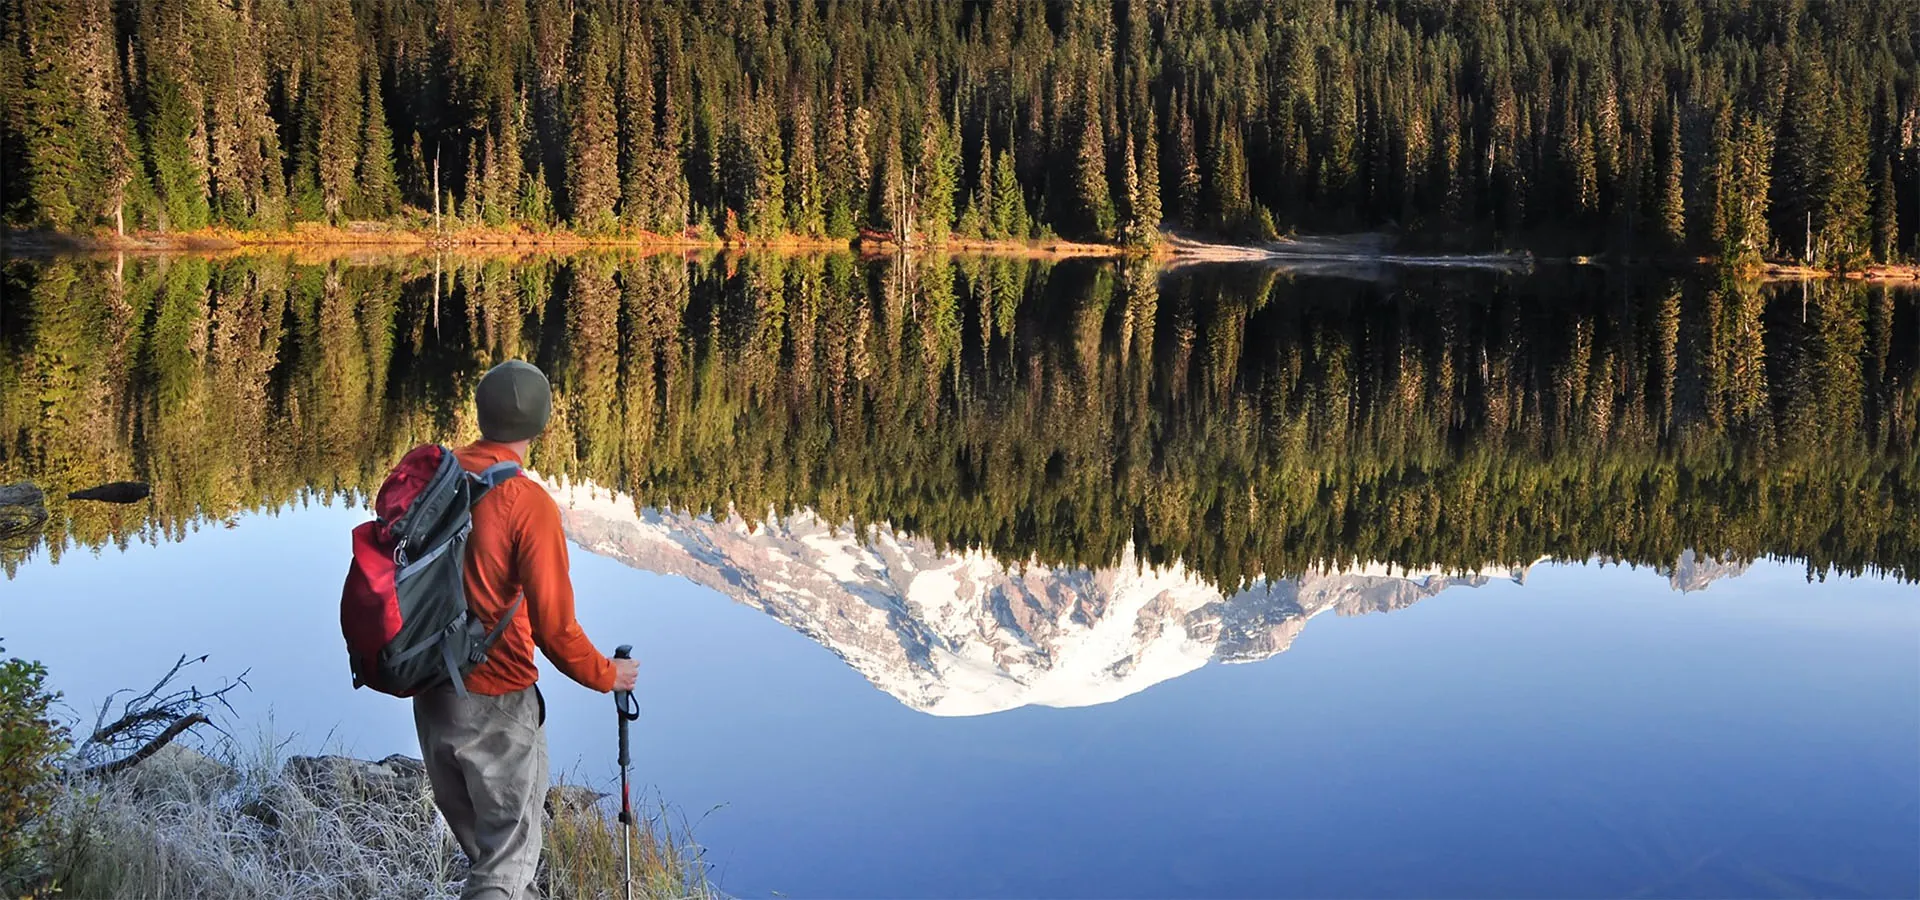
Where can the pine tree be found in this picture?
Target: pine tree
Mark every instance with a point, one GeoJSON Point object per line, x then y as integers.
{"type": "Point", "coordinates": [1148, 214]}
{"type": "Point", "coordinates": [1670, 205]}
{"type": "Point", "coordinates": [1886, 225]}
{"type": "Point", "coordinates": [339, 103]}
{"type": "Point", "coordinates": [1093, 198]}
{"type": "Point", "coordinates": [1743, 174]}
{"type": "Point", "coordinates": [1842, 217]}
{"type": "Point", "coordinates": [1227, 175]}
{"type": "Point", "coordinates": [247, 178]}
{"type": "Point", "coordinates": [593, 176]}
{"type": "Point", "coordinates": [183, 205]}
{"type": "Point", "coordinates": [1801, 167]}
{"type": "Point", "coordinates": [837, 168]}
{"type": "Point", "coordinates": [671, 205]}
{"type": "Point", "coordinates": [1188, 161]}
{"type": "Point", "coordinates": [766, 171]}
{"type": "Point", "coordinates": [804, 213]}
{"type": "Point", "coordinates": [938, 177]}
{"type": "Point", "coordinates": [1009, 202]}
{"type": "Point", "coordinates": [379, 191]}
{"type": "Point", "coordinates": [63, 177]}
{"type": "Point", "coordinates": [865, 192]}
{"type": "Point", "coordinates": [639, 170]}
{"type": "Point", "coordinates": [979, 215]}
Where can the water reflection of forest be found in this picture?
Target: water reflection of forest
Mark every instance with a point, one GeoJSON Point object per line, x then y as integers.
{"type": "Point", "coordinates": [1237, 419]}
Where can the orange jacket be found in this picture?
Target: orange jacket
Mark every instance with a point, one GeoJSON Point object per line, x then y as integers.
{"type": "Point", "coordinates": [516, 546]}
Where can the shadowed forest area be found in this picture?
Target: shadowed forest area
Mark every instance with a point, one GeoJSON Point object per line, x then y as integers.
{"type": "Point", "coordinates": [1239, 419]}
{"type": "Point", "coordinates": [1787, 130]}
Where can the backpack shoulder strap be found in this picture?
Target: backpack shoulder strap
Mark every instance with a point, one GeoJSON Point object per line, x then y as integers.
{"type": "Point", "coordinates": [492, 477]}
{"type": "Point", "coordinates": [498, 473]}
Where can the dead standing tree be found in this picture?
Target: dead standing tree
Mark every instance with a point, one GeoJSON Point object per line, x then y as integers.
{"type": "Point", "coordinates": [148, 721]}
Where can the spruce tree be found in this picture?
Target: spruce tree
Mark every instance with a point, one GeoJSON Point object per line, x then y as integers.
{"type": "Point", "coordinates": [837, 168]}
{"type": "Point", "coordinates": [1009, 202]}
{"type": "Point", "coordinates": [62, 174]}
{"type": "Point", "coordinates": [1670, 205]}
{"type": "Point", "coordinates": [1188, 162]}
{"type": "Point", "coordinates": [804, 213]}
{"type": "Point", "coordinates": [339, 103]}
{"type": "Point", "coordinates": [1148, 214]}
{"type": "Point", "coordinates": [1842, 217]}
{"type": "Point", "coordinates": [1093, 199]}
{"type": "Point", "coordinates": [176, 176]}
{"type": "Point", "coordinates": [1886, 225]}
{"type": "Point", "coordinates": [765, 175]}
{"type": "Point", "coordinates": [639, 170]}
{"type": "Point", "coordinates": [379, 190]}
{"type": "Point", "coordinates": [938, 176]}
{"type": "Point", "coordinates": [593, 177]}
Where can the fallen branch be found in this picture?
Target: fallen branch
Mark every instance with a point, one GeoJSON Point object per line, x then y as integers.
{"type": "Point", "coordinates": [165, 737]}
{"type": "Point", "coordinates": [148, 720]}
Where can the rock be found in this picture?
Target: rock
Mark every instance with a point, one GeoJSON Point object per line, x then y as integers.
{"type": "Point", "coordinates": [571, 799]}
{"type": "Point", "coordinates": [114, 492]}
{"type": "Point", "coordinates": [181, 773]}
{"type": "Point", "coordinates": [396, 781]}
{"type": "Point", "coordinates": [23, 510]}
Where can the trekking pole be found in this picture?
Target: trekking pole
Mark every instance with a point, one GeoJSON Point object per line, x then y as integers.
{"type": "Point", "coordinates": [626, 710]}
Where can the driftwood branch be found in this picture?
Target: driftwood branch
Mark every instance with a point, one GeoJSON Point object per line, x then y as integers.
{"type": "Point", "coordinates": [164, 738]}
{"type": "Point", "coordinates": [149, 720]}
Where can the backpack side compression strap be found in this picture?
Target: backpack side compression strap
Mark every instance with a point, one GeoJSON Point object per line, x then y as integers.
{"type": "Point", "coordinates": [477, 652]}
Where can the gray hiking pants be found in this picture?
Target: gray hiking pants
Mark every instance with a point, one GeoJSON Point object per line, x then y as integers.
{"type": "Point", "coordinates": [487, 760]}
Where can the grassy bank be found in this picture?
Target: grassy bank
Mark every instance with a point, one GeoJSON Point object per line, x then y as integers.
{"type": "Point", "coordinates": [183, 825]}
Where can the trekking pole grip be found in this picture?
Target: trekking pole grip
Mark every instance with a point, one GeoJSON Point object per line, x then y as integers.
{"type": "Point", "coordinates": [623, 704]}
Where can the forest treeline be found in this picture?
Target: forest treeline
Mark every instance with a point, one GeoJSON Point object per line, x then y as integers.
{"type": "Point", "coordinates": [1243, 423]}
{"type": "Point", "coordinates": [1739, 128]}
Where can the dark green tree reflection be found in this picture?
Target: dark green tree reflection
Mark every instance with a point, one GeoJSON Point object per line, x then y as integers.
{"type": "Point", "coordinates": [1247, 422]}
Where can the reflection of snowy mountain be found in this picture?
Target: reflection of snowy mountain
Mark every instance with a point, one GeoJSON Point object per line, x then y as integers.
{"type": "Point", "coordinates": [1693, 572]}
{"type": "Point", "coordinates": [963, 634]}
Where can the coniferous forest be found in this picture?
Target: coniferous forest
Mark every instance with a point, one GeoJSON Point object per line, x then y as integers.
{"type": "Point", "coordinates": [1785, 130]}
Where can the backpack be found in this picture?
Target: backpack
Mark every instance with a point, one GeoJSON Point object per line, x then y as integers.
{"type": "Point", "coordinates": [404, 608]}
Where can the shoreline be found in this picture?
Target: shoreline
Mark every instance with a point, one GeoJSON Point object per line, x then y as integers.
{"type": "Point", "coordinates": [512, 240]}
{"type": "Point", "coordinates": [1371, 249]}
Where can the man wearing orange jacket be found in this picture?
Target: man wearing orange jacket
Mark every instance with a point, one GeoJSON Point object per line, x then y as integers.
{"type": "Point", "coordinates": [486, 753]}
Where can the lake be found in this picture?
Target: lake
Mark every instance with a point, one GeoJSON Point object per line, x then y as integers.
{"type": "Point", "coordinates": [995, 577]}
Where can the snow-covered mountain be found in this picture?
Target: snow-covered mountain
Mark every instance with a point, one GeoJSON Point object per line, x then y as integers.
{"type": "Point", "coordinates": [958, 634]}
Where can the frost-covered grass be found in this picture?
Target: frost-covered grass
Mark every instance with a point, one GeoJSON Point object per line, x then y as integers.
{"type": "Point", "coordinates": [183, 825]}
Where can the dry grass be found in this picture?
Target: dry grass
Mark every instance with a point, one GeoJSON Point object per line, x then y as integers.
{"type": "Point", "coordinates": [182, 825]}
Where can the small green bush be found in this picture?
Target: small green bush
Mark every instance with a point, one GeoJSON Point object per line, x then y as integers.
{"type": "Point", "coordinates": [31, 743]}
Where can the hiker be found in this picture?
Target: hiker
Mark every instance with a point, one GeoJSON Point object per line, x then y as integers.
{"type": "Point", "coordinates": [486, 749]}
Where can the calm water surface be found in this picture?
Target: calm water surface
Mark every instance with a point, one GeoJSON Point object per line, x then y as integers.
{"type": "Point", "coordinates": [991, 578]}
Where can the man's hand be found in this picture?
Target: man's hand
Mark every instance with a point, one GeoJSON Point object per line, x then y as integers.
{"type": "Point", "coordinates": [624, 673]}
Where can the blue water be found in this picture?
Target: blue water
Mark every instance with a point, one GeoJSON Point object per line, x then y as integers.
{"type": "Point", "coordinates": [1589, 733]}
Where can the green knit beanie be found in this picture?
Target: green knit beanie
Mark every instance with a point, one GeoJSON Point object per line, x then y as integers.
{"type": "Point", "coordinates": [514, 401]}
